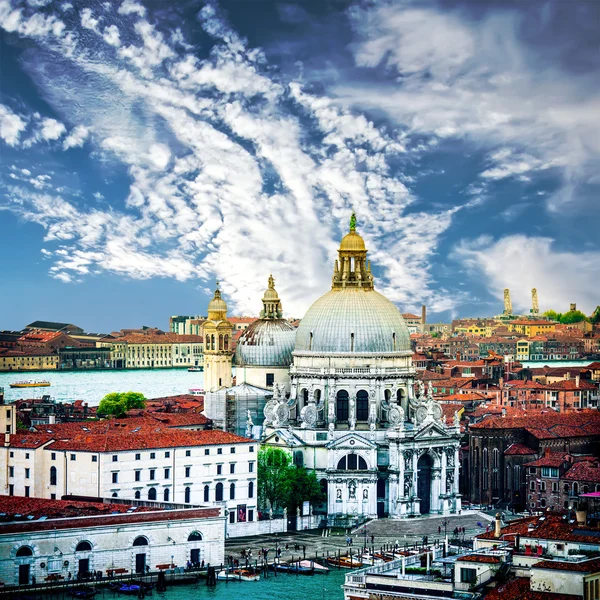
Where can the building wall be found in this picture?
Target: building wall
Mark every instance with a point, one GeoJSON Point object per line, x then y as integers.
{"type": "Point", "coordinates": [84, 473]}
{"type": "Point", "coordinates": [555, 581]}
{"type": "Point", "coordinates": [258, 376]}
{"type": "Point", "coordinates": [112, 547]}
{"type": "Point", "coordinates": [29, 362]}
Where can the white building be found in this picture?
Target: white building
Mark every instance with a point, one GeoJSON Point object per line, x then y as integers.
{"type": "Point", "coordinates": [379, 446]}
{"type": "Point", "coordinates": [50, 539]}
{"type": "Point", "coordinates": [134, 459]}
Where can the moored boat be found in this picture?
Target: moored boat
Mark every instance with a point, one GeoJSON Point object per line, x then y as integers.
{"type": "Point", "coordinates": [29, 384]}
{"type": "Point", "coordinates": [196, 391]}
{"type": "Point", "coordinates": [317, 568]}
{"type": "Point", "coordinates": [293, 568]}
{"type": "Point", "coordinates": [346, 562]}
{"type": "Point", "coordinates": [196, 369]}
{"type": "Point", "coordinates": [238, 575]}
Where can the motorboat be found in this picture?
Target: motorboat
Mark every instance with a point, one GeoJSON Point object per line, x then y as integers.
{"type": "Point", "coordinates": [29, 384]}
{"type": "Point", "coordinates": [317, 568]}
{"type": "Point", "coordinates": [294, 568]}
{"type": "Point", "coordinates": [196, 369]}
{"type": "Point", "coordinates": [346, 562]}
{"type": "Point", "coordinates": [238, 575]}
{"type": "Point", "coordinates": [197, 391]}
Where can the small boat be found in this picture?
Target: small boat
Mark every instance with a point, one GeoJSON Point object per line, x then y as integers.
{"type": "Point", "coordinates": [127, 589]}
{"type": "Point", "coordinates": [196, 391]}
{"type": "Point", "coordinates": [196, 369]}
{"type": "Point", "coordinates": [29, 384]}
{"type": "Point", "coordinates": [346, 562]}
{"type": "Point", "coordinates": [82, 592]}
{"type": "Point", "coordinates": [238, 575]}
{"type": "Point", "coordinates": [316, 567]}
{"type": "Point", "coordinates": [294, 568]}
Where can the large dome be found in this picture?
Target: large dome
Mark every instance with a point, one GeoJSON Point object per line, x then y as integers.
{"type": "Point", "coordinates": [353, 320]}
{"type": "Point", "coordinates": [266, 343]}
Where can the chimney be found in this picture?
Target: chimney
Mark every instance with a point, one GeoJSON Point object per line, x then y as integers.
{"type": "Point", "coordinates": [51, 419]}
{"type": "Point", "coordinates": [577, 380]}
{"type": "Point", "coordinates": [6, 440]}
{"type": "Point", "coordinates": [567, 375]}
{"type": "Point", "coordinates": [498, 529]}
{"type": "Point", "coordinates": [503, 412]}
{"type": "Point", "coordinates": [423, 315]}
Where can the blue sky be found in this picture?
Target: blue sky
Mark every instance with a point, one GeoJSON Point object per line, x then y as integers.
{"type": "Point", "coordinates": [150, 149]}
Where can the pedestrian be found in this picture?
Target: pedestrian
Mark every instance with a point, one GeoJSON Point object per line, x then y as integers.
{"type": "Point", "coordinates": [286, 546]}
{"type": "Point", "coordinates": [439, 529]}
{"type": "Point", "coordinates": [69, 576]}
{"type": "Point", "coordinates": [33, 580]}
{"type": "Point", "coordinates": [372, 539]}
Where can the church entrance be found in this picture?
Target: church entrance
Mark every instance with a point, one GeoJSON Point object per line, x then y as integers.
{"type": "Point", "coordinates": [424, 467]}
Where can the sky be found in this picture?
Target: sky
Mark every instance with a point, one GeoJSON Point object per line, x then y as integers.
{"type": "Point", "coordinates": [150, 149]}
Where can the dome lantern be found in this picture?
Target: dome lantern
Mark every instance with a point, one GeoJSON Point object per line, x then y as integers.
{"type": "Point", "coordinates": [271, 302]}
{"type": "Point", "coordinates": [352, 270]}
{"type": "Point", "coordinates": [217, 308]}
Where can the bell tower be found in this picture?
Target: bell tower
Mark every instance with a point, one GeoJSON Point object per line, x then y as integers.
{"type": "Point", "coordinates": [217, 345]}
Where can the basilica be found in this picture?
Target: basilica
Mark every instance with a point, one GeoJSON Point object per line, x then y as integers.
{"type": "Point", "coordinates": [339, 393]}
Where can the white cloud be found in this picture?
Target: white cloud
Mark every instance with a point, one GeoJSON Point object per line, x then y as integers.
{"type": "Point", "coordinates": [88, 21]}
{"type": "Point", "coordinates": [76, 137]}
{"type": "Point", "coordinates": [460, 77]}
{"type": "Point", "coordinates": [111, 35]}
{"type": "Point", "coordinates": [131, 7]}
{"type": "Point", "coordinates": [52, 129]}
{"type": "Point", "coordinates": [520, 263]}
{"type": "Point", "coordinates": [11, 126]}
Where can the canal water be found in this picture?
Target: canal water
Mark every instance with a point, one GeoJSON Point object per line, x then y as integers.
{"type": "Point", "coordinates": [282, 587]}
{"type": "Point", "coordinates": [92, 386]}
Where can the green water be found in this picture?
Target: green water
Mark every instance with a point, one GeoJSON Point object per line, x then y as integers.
{"type": "Point", "coordinates": [282, 587]}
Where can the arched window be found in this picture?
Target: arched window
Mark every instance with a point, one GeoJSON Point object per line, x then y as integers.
{"type": "Point", "coordinates": [52, 475]}
{"type": "Point", "coordinates": [195, 536]}
{"type": "Point", "coordinates": [399, 396]}
{"type": "Point", "coordinates": [138, 495]}
{"type": "Point", "coordinates": [84, 546]}
{"type": "Point", "coordinates": [341, 408]}
{"type": "Point", "coordinates": [152, 494]}
{"type": "Point", "coordinates": [140, 541]}
{"type": "Point", "coordinates": [24, 551]}
{"type": "Point", "coordinates": [387, 394]}
{"type": "Point", "coordinates": [304, 397]}
{"type": "Point", "coordinates": [219, 492]}
{"type": "Point", "coordinates": [317, 396]}
{"type": "Point", "coordinates": [495, 458]}
{"type": "Point", "coordinates": [221, 342]}
{"type": "Point", "coordinates": [362, 405]}
{"type": "Point", "coordinates": [226, 338]}
{"type": "Point", "coordinates": [206, 493]}
{"type": "Point", "coordinates": [352, 462]}
{"type": "Point", "coordinates": [115, 495]}
{"type": "Point", "coordinates": [188, 494]}
{"type": "Point", "coordinates": [251, 489]}
{"type": "Point", "coordinates": [232, 491]}
{"type": "Point", "coordinates": [166, 494]}
{"type": "Point", "coordinates": [575, 489]}
{"type": "Point", "coordinates": [212, 342]}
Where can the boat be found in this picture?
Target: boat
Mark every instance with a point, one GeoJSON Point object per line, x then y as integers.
{"type": "Point", "coordinates": [196, 391]}
{"type": "Point", "coordinates": [133, 588]}
{"type": "Point", "coordinates": [29, 384]}
{"type": "Point", "coordinates": [294, 568]}
{"type": "Point", "coordinates": [82, 592]}
{"type": "Point", "coordinates": [238, 575]}
{"type": "Point", "coordinates": [196, 369]}
{"type": "Point", "coordinates": [317, 568]}
{"type": "Point", "coordinates": [345, 562]}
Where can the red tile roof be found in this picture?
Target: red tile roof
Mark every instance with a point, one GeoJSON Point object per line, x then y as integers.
{"type": "Point", "coordinates": [552, 459]}
{"type": "Point", "coordinates": [585, 470]}
{"type": "Point", "coordinates": [584, 566]}
{"type": "Point", "coordinates": [518, 450]}
{"type": "Point", "coordinates": [480, 558]}
{"type": "Point", "coordinates": [518, 589]}
{"type": "Point", "coordinates": [141, 440]}
{"type": "Point", "coordinates": [159, 338]}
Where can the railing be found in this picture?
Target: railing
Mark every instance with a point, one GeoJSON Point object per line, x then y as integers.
{"type": "Point", "coordinates": [350, 370]}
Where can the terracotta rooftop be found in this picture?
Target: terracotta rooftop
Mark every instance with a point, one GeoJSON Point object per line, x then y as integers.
{"type": "Point", "coordinates": [553, 526]}
{"type": "Point", "coordinates": [551, 459]}
{"type": "Point", "coordinates": [518, 589]}
{"type": "Point", "coordinates": [518, 450]}
{"type": "Point", "coordinates": [159, 338]}
{"type": "Point", "coordinates": [480, 558]}
{"type": "Point", "coordinates": [584, 566]}
{"type": "Point", "coordinates": [585, 470]}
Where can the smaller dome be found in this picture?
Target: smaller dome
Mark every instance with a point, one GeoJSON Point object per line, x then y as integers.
{"type": "Point", "coordinates": [217, 308]}
{"type": "Point", "coordinates": [352, 242]}
{"type": "Point", "coordinates": [266, 343]}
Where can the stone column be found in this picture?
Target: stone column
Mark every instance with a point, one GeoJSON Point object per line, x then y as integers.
{"type": "Point", "coordinates": [416, 505]}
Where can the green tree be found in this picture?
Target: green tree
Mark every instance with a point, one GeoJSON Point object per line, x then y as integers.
{"type": "Point", "coordinates": [573, 316]}
{"type": "Point", "coordinates": [595, 318]}
{"type": "Point", "coordinates": [552, 315]}
{"type": "Point", "coordinates": [274, 477]}
{"type": "Point", "coordinates": [304, 486]}
{"type": "Point", "coordinates": [118, 403]}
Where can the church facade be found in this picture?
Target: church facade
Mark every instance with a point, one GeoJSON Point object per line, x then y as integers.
{"type": "Point", "coordinates": [350, 407]}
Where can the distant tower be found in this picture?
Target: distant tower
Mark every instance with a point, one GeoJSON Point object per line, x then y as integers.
{"type": "Point", "coordinates": [217, 345]}
{"type": "Point", "coordinates": [535, 306]}
{"type": "Point", "coordinates": [423, 317]}
{"type": "Point", "coordinates": [507, 303]}
{"type": "Point", "coordinates": [572, 307]}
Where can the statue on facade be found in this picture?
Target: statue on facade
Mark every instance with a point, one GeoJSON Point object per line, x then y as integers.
{"type": "Point", "coordinates": [249, 425]}
{"type": "Point", "coordinates": [352, 490]}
